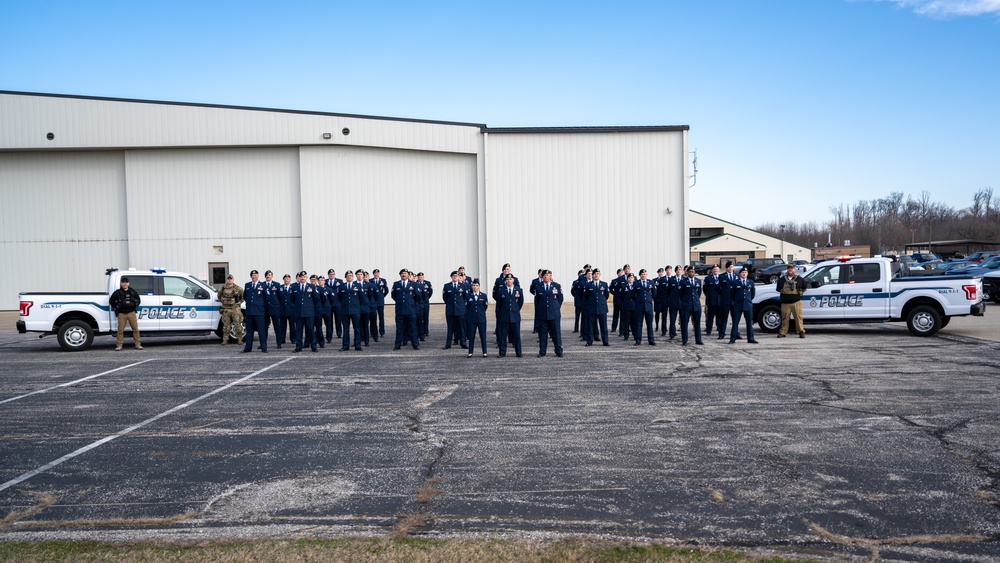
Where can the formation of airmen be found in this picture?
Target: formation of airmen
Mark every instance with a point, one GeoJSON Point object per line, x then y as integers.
{"type": "Point", "coordinates": [312, 310]}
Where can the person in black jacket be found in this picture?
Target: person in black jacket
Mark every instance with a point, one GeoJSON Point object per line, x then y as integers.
{"type": "Point", "coordinates": [125, 301]}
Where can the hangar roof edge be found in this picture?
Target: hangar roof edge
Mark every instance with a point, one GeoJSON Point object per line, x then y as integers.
{"type": "Point", "coordinates": [589, 129]}
{"type": "Point", "coordinates": [481, 126]}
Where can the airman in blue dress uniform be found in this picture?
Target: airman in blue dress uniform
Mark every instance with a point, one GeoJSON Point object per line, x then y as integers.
{"type": "Point", "coordinates": [596, 309]}
{"type": "Point", "coordinates": [711, 288]}
{"type": "Point", "coordinates": [643, 295]}
{"type": "Point", "coordinates": [272, 305]}
{"type": "Point", "coordinates": [286, 326]}
{"type": "Point", "coordinates": [476, 305]}
{"type": "Point", "coordinates": [381, 291]}
{"type": "Point", "coordinates": [303, 300]}
{"type": "Point", "coordinates": [690, 288]}
{"type": "Point", "coordinates": [407, 295]}
{"type": "Point", "coordinates": [742, 302]}
{"type": "Point", "coordinates": [509, 300]}
{"type": "Point", "coordinates": [454, 295]}
{"type": "Point", "coordinates": [726, 282]}
{"type": "Point", "coordinates": [550, 298]}
{"type": "Point", "coordinates": [350, 311]}
{"type": "Point", "coordinates": [254, 295]}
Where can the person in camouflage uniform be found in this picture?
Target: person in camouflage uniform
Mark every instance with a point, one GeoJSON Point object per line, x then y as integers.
{"type": "Point", "coordinates": [230, 296]}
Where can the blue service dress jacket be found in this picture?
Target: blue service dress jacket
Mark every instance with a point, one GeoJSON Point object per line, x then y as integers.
{"type": "Point", "coordinates": [596, 298]}
{"type": "Point", "coordinates": [255, 298]}
{"type": "Point", "coordinates": [407, 298]}
{"type": "Point", "coordinates": [508, 304]}
{"type": "Point", "coordinates": [743, 294]}
{"type": "Point", "coordinates": [548, 301]}
{"type": "Point", "coordinates": [690, 290]}
{"type": "Point", "coordinates": [710, 287]}
{"type": "Point", "coordinates": [350, 298]}
{"type": "Point", "coordinates": [303, 299]}
{"type": "Point", "coordinates": [454, 295]}
{"type": "Point", "coordinates": [643, 294]}
{"type": "Point", "coordinates": [476, 305]}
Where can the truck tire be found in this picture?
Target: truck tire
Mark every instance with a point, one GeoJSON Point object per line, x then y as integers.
{"type": "Point", "coordinates": [923, 320]}
{"type": "Point", "coordinates": [233, 333]}
{"type": "Point", "coordinates": [769, 320]}
{"type": "Point", "coordinates": [773, 278]}
{"type": "Point", "coordinates": [75, 336]}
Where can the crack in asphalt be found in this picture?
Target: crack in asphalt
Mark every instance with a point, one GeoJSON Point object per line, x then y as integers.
{"type": "Point", "coordinates": [421, 518]}
{"type": "Point", "coordinates": [979, 459]}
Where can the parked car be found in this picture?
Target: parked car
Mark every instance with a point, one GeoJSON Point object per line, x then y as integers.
{"type": "Point", "coordinates": [991, 286]}
{"type": "Point", "coordinates": [991, 264]}
{"type": "Point", "coordinates": [981, 255]}
{"type": "Point", "coordinates": [772, 273]}
{"type": "Point", "coordinates": [925, 257]}
{"type": "Point", "coordinates": [701, 268]}
{"type": "Point", "coordinates": [754, 264]}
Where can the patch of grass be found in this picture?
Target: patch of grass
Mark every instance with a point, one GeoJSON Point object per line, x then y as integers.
{"type": "Point", "coordinates": [406, 550]}
{"type": "Point", "coordinates": [44, 500]}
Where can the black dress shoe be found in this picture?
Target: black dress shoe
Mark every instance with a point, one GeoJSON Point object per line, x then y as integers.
{"type": "Point", "coordinates": [297, 350]}
{"type": "Point", "coordinates": [244, 351]}
{"type": "Point", "coordinates": [265, 351]}
{"type": "Point", "coordinates": [606, 344]}
{"type": "Point", "coordinates": [638, 344]}
{"type": "Point", "coordinates": [519, 355]}
{"type": "Point", "coordinates": [416, 347]}
{"type": "Point", "coordinates": [504, 355]}
{"type": "Point", "coordinates": [752, 342]}
{"type": "Point", "coordinates": [700, 343]}
{"type": "Point", "coordinates": [802, 335]}
{"type": "Point", "coordinates": [448, 347]}
{"type": "Point", "coordinates": [732, 341]}
{"type": "Point", "coordinates": [469, 356]}
{"type": "Point", "coordinates": [558, 354]}
{"type": "Point", "coordinates": [395, 347]}
{"type": "Point", "coordinates": [359, 349]}
{"type": "Point", "coordinates": [720, 337]}
{"type": "Point", "coordinates": [588, 344]}
{"type": "Point", "coordinates": [540, 354]}
{"type": "Point", "coordinates": [344, 349]}
{"type": "Point", "coordinates": [652, 343]}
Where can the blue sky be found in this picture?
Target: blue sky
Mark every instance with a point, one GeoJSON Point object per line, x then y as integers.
{"type": "Point", "coordinates": [794, 105]}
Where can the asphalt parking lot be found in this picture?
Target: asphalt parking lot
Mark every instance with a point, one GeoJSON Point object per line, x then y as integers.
{"type": "Point", "coordinates": [854, 439]}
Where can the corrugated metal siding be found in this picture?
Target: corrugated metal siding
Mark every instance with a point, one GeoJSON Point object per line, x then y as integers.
{"type": "Point", "coordinates": [183, 203]}
{"type": "Point", "coordinates": [63, 222]}
{"type": "Point", "coordinates": [86, 123]}
{"type": "Point", "coordinates": [559, 201]}
{"type": "Point", "coordinates": [388, 209]}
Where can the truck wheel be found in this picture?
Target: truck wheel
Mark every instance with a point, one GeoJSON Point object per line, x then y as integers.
{"type": "Point", "coordinates": [923, 320]}
{"type": "Point", "coordinates": [995, 296]}
{"type": "Point", "coordinates": [75, 336]}
{"type": "Point", "coordinates": [770, 318]}
{"type": "Point", "coordinates": [773, 279]}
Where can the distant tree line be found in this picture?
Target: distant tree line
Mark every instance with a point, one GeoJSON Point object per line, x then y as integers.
{"type": "Point", "coordinates": [890, 222]}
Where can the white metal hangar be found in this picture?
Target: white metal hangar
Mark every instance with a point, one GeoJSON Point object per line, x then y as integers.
{"type": "Point", "coordinates": [90, 183]}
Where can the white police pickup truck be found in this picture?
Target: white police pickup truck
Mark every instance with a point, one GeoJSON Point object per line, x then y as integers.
{"type": "Point", "coordinates": [861, 290]}
{"type": "Point", "coordinates": [172, 304]}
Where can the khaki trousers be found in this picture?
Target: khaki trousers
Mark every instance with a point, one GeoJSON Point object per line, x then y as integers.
{"type": "Point", "coordinates": [788, 309]}
{"type": "Point", "coordinates": [131, 319]}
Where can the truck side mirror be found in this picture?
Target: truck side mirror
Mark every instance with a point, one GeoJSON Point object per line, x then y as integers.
{"type": "Point", "coordinates": [814, 284]}
{"type": "Point", "coordinates": [201, 294]}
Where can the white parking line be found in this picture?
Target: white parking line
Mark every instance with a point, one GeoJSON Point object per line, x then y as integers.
{"type": "Point", "coordinates": [130, 429]}
{"type": "Point", "coordinates": [68, 383]}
